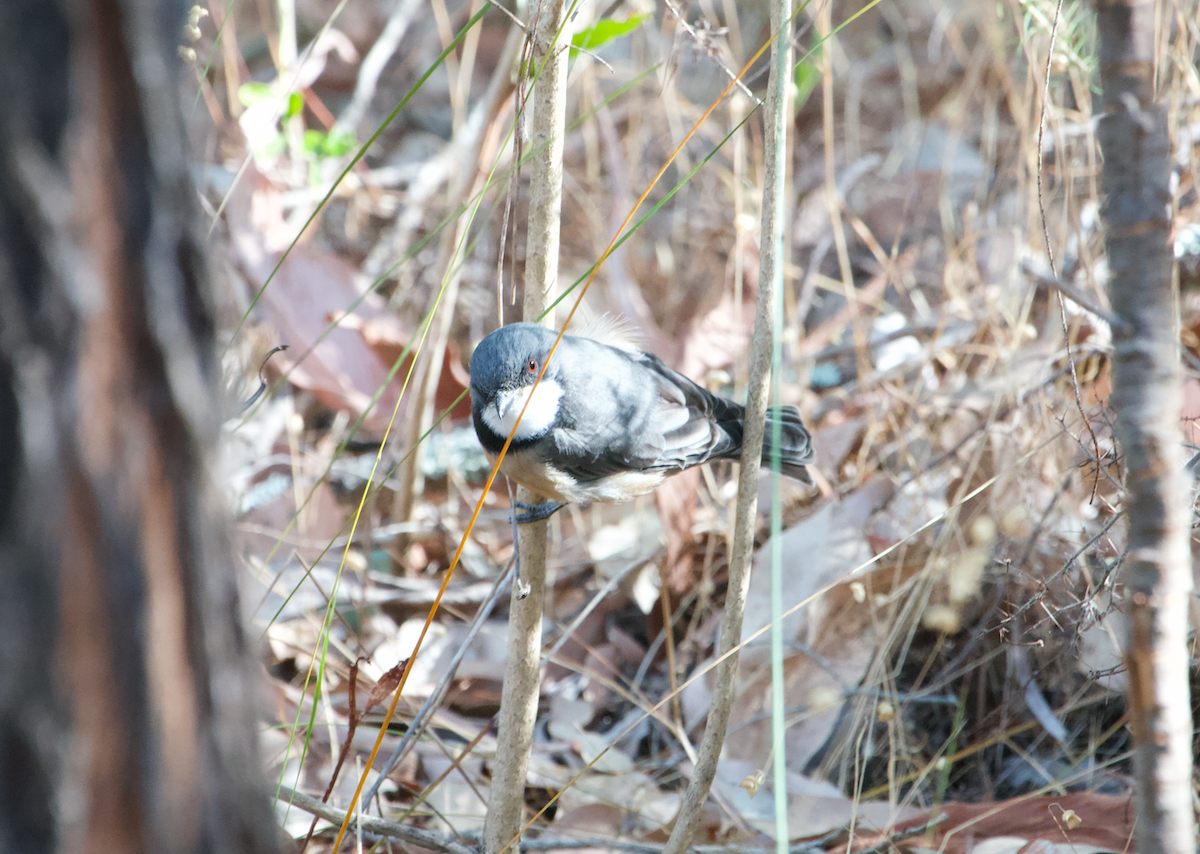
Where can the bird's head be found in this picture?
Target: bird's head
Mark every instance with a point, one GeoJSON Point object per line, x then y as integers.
{"type": "Point", "coordinates": [503, 369]}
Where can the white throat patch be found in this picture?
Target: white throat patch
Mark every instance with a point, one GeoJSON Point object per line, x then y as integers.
{"type": "Point", "coordinates": [502, 413]}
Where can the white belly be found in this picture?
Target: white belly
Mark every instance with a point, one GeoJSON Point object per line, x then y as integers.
{"type": "Point", "coordinates": [555, 484]}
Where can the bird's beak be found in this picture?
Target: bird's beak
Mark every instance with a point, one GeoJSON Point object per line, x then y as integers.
{"type": "Point", "coordinates": [505, 398]}
{"type": "Point", "coordinates": [501, 413]}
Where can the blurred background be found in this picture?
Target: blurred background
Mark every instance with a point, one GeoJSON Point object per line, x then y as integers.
{"type": "Point", "coordinates": [960, 554]}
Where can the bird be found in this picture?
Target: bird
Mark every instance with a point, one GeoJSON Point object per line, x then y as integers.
{"type": "Point", "coordinates": [605, 423]}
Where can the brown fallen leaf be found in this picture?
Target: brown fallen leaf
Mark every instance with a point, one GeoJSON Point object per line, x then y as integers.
{"type": "Point", "coordinates": [388, 337]}
{"type": "Point", "coordinates": [1105, 824]}
{"type": "Point", "coordinates": [310, 287]}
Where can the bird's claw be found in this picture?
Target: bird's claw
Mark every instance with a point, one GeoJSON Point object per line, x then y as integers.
{"type": "Point", "coordinates": [536, 512]}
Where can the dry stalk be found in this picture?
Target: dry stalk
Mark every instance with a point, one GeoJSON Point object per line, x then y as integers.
{"type": "Point", "coordinates": [379, 828]}
{"type": "Point", "coordinates": [438, 169]}
{"type": "Point", "coordinates": [519, 697]}
{"type": "Point", "coordinates": [376, 61]}
{"type": "Point", "coordinates": [451, 260]}
{"type": "Point", "coordinates": [758, 389]}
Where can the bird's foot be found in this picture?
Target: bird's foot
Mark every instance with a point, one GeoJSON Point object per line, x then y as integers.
{"type": "Point", "coordinates": [537, 512]}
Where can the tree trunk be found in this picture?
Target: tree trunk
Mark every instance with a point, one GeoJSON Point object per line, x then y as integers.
{"type": "Point", "coordinates": [126, 707]}
{"type": "Point", "coordinates": [1147, 393]}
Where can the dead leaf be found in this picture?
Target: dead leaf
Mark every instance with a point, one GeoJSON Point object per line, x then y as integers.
{"type": "Point", "coordinates": [388, 337]}
{"type": "Point", "coordinates": [310, 286]}
{"type": "Point", "coordinates": [815, 807]}
{"type": "Point", "coordinates": [1022, 824]}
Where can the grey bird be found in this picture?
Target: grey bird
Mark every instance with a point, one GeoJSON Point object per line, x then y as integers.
{"type": "Point", "coordinates": [605, 423]}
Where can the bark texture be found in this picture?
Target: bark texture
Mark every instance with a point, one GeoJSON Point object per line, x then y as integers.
{"type": "Point", "coordinates": [1147, 394]}
{"type": "Point", "coordinates": [126, 711]}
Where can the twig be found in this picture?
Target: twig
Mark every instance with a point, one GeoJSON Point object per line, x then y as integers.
{"type": "Point", "coordinates": [593, 56]}
{"type": "Point", "coordinates": [704, 43]}
{"type": "Point", "coordinates": [378, 826]}
{"type": "Point", "coordinates": [425, 714]}
{"type": "Point", "coordinates": [1062, 287]}
{"type": "Point", "coordinates": [1042, 130]}
{"type": "Point", "coordinates": [1074, 295]}
{"type": "Point", "coordinates": [559, 844]}
{"type": "Point", "coordinates": [519, 695]}
{"type": "Point", "coordinates": [517, 21]}
{"type": "Point", "coordinates": [907, 833]}
{"type": "Point", "coordinates": [569, 631]}
{"type": "Point", "coordinates": [1062, 569]}
{"type": "Point", "coordinates": [924, 328]}
{"type": "Point", "coordinates": [428, 839]}
{"type": "Point", "coordinates": [770, 281]}
{"type": "Point", "coordinates": [376, 60]}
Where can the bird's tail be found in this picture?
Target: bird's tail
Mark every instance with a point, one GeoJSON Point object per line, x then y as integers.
{"type": "Point", "coordinates": [795, 444]}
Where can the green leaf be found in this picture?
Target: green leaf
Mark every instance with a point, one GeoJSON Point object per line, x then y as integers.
{"type": "Point", "coordinates": [295, 104]}
{"type": "Point", "coordinates": [254, 93]}
{"type": "Point", "coordinates": [314, 142]}
{"type": "Point", "coordinates": [605, 30]}
{"type": "Point", "coordinates": [336, 143]}
{"type": "Point", "coordinates": [340, 142]}
{"type": "Point", "coordinates": [806, 77]}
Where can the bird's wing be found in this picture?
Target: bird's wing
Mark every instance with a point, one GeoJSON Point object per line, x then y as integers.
{"type": "Point", "coordinates": [711, 427]}
{"type": "Point", "coordinates": [694, 424]}
{"type": "Point", "coordinates": [638, 414]}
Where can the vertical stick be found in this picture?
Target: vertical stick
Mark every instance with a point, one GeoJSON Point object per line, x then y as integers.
{"type": "Point", "coordinates": [775, 219]}
{"type": "Point", "coordinates": [518, 702]}
{"type": "Point", "coordinates": [770, 278]}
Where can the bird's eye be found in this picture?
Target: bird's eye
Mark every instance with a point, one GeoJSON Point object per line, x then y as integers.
{"type": "Point", "coordinates": [532, 366]}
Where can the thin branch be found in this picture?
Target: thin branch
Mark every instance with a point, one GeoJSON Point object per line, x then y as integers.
{"type": "Point", "coordinates": [381, 827]}
{"type": "Point", "coordinates": [1074, 295]}
{"type": "Point", "coordinates": [703, 40]}
{"type": "Point", "coordinates": [1041, 132]}
{"type": "Point", "coordinates": [376, 60]}
{"type": "Point", "coordinates": [425, 714]}
{"type": "Point", "coordinates": [519, 695]}
{"type": "Point", "coordinates": [887, 843]}
{"type": "Point", "coordinates": [770, 281]}
{"type": "Point", "coordinates": [511, 16]}
{"type": "Point", "coordinates": [377, 826]}
{"type": "Point", "coordinates": [812, 846]}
